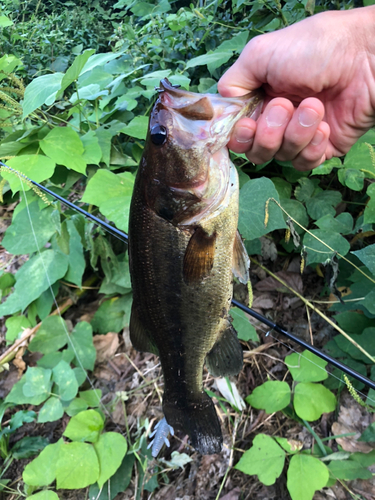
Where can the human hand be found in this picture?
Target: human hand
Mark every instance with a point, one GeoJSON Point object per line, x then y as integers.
{"type": "Point", "coordinates": [319, 79]}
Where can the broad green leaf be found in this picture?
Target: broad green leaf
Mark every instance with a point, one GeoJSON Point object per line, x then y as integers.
{"type": "Point", "coordinates": [5, 22]}
{"type": "Point", "coordinates": [37, 167]}
{"type": "Point", "coordinates": [7, 64]}
{"type": "Point", "coordinates": [296, 210]}
{"type": "Point", "coordinates": [111, 449]}
{"type": "Point", "coordinates": [51, 336]}
{"type": "Point", "coordinates": [99, 60]}
{"type": "Point", "coordinates": [359, 158]}
{"type": "Point", "coordinates": [77, 262]}
{"type": "Point", "coordinates": [306, 475]}
{"type": "Point", "coordinates": [17, 395]}
{"type": "Point", "coordinates": [38, 381]}
{"type": "Point", "coordinates": [77, 466]}
{"type": "Point", "coordinates": [283, 187]}
{"type": "Point", "coordinates": [327, 167]}
{"type": "Point", "coordinates": [29, 446]}
{"type": "Point", "coordinates": [271, 396]}
{"type": "Point", "coordinates": [51, 411]}
{"type": "Point", "coordinates": [137, 127]}
{"type": "Point", "coordinates": [92, 397]}
{"type": "Point", "coordinates": [42, 470]}
{"type": "Point", "coordinates": [21, 237]}
{"type": "Point", "coordinates": [348, 470]}
{"type": "Point", "coordinates": [306, 367]}
{"type": "Point", "coordinates": [83, 346]}
{"type": "Point", "coordinates": [64, 377]}
{"type": "Point", "coordinates": [65, 147]}
{"type": "Point", "coordinates": [367, 256]}
{"type": "Point", "coordinates": [52, 359]}
{"type": "Point", "coordinates": [236, 43]}
{"type": "Point", "coordinates": [368, 435]}
{"type": "Point", "coordinates": [76, 406]}
{"type": "Point", "coordinates": [242, 325]}
{"type": "Point", "coordinates": [323, 203]}
{"type": "Point", "coordinates": [369, 216]}
{"type": "Point", "coordinates": [312, 400]}
{"type": "Point", "coordinates": [366, 340]}
{"type": "Point", "coordinates": [353, 179]}
{"type": "Point", "coordinates": [343, 223]}
{"type": "Point", "coordinates": [317, 251]}
{"type": "Point", "coordinates": [353, 322]}
{"type": "Point", "coordinates": [253, 198]}
{"type": "Point", "coordinates": [369, 301]}
{"type": "Point", "coordinates": [265, 459]}
{"type": "Point", "coordinates": [92, 153]}
{"type": "Point", "coordinates": [305, 190]}
{"type": "Point", "coordinates": [15, 326]}
{"type": "Point", "coordinates": [110, 317]}
{"type": "Point", "coordinates": [41, 90]}
{"type": "Point", "coordinates": [365, 459]}
{"type": "Point", "coordinates": [75, 69]}
{"type": "Point", "coordinates": [86, 426]}
{"type": "Point", "coordinates": [214, 59]}
{"type": "Point", "coordinates": [117, 210]}
{"type": "Point", "coordinates": [44, 495]}
{"type": "Point", "coordinates": [117, 483]}
{"type": "Point", "coordinates": [289, 445]}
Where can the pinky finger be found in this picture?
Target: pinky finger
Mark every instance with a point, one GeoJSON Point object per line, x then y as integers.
{"type": "Point", "coordinates": [314, 154]}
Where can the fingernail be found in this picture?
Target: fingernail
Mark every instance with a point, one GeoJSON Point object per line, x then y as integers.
{"type": "Point", "coordinates": [243, 135]}
{"type": "Point", "coordinates": [318, 138]}
{"type": "Point", "coordinates": [277, 116]}
{"type": "Point", "coordinates": [307, 117]}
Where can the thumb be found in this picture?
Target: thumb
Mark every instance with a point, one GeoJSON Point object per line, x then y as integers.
{"type": "Point", "coordinates": [244, 75]}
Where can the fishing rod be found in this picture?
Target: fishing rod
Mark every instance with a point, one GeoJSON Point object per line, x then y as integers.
{"type": "Point", "coordinates": [273, 326]}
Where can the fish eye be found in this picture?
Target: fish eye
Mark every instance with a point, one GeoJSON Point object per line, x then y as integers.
{"type": "Point", "coordinates": [158, 135]}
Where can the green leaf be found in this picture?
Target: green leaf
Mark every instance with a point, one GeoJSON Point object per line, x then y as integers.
{"type": "Point", "coordinates": [41, 90]}
{"type": "Point", "coordinates": [37, 167]}
{"type": "Point", "coordinates": [76, 406]}
{"type": "Point", "coordinates": [365, 459]}
{"type": "Point", "coordinates": [99, 60]}
{"type": "Point", "coordinates": [306, 367]}
{"type": "Point", "coordinates": [77, 261]}
{"type": "Point", "coordinates": [77, 466]}
{"type": "Point", "coordinates": [5, 22]}
{"type": "Point", "coordinates": [75, 69]}
{"type": "Point", "coordinates": [369, 301]}
{"type": "Point", "coordinates": [110, 317]}
{"type": "Point", "coordinates": [296, 210]}
{"type": "Point", "coordinates": [312, 400]}
{"type": "Point", "coordinates": [32, 280]}
{"type": "Point", "coordinates": [51, 411]}
{"type": "Point", "coordinates": [368, 435]}
{"type": "Point", "coordinates": [38, 381]}
{"type": "Point", "coordinates": [289, 445]}
{"type": "Point", "coordinates": [117, 483]}
{"type": "Point", "coordinates": [367, 256]}
{"type": "Point", "coordinates": [317, 252]}
{"type": "Point", "coordinates": [323, 203]}
{"type": "Point", "coordinates": [42, 470]}
{"type": "Point", "coordinates": [44, 495]}
{"type": "Point", "coordinates": [353, 322]}
{"type": "Point", "coordinates": [28, 446]}
{"type": "Point", "coordinates": [305, 190]}
{"type": "Point", "coordinates": [283, 187]}
{"type": "Point", "coordinates": [84, 350]}
{"type": "Point", "coordinates": [15, 326]}
{"type": "Point", "coordinates": [64, 377]}
{"type": "Point", "coordinates": [306, 475]}
{"type": "Point", "coordinates": [86, 426]}
{"type": "Point", "coordinates": [327, 167]}
{"type": "Point", "coordinates": [365, 340]}
{"type": "Point", "coordinates": [359, 158]}
{"type": "Point", "coordinates": [242, 325]}
{"type": "Point", "coordinates": [17, 395]}
{"type": "Point", "coordinates": [253, 198]}
{"type": "Point", "coordinates": [214, 59]}
{"type": "Point", "coordinates": [65, 147]}
{"type": "Point", "coordinates": [137, 127]}
{"type": "Point", "coordinates": [353, 179]}
{"type": "Point", "coordinates": [271, 396]}
{"type": "Point", "coordinates": [92, 153]}
{"type": "Point", "coordinates": [343, 223]}
{"type": "Point", "coordinates": [111, 449]}
{"type": "Point", "coordinates": [51, 336]}
{"type": "Point", "coordinates": [369, 216]}
{"type": "Point", "coordinates": [348, 470]}
{"type": "Point", "coordinates": [236, 43]}
{"type": "Point", "coordinates": [21, 237]}
{"type": "Point", "coordinates": [265, 459]}
{"type": "Point", "coordinates": [92, 397]}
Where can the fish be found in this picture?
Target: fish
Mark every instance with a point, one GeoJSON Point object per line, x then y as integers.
{"type": "Point", "coordinates": [184, 248]}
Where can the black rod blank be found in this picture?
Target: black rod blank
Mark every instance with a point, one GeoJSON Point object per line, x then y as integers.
{"type": "Point", "coordinates": [273, 326]}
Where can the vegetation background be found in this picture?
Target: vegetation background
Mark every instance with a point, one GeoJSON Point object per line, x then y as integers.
{"type": "Point", "coordinates": [76, 86]}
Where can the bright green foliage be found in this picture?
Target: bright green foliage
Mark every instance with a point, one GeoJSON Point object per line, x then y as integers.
{"type": "Point", "coordinates": [15, 326]}
{"type": "Point", "coordinates": [42, 90]}
{"type": "Point", "coordinates": [348, 470]}
{"type": "Point", "coordinates": [271, 396]}
{"type": "Point", "coordinates": [111, 449]}
{"type": "Point", "coordinates": [37, 166]}
{"type": "Point", "coordinates": [82, 345]}
{"type": "Point", "coordinates": [42, 470]}
{"type": "Point", "coordinates": [51, 410]}
{"type": "Point", "coordinates": [265, 459]}
{"type": "Point", "coordinates": [306, 475]}
{"type": "Point", "coordinates": [44, 495]}
{"type": "Point", "coordinates": [367, 256]}
{"type": "Point", "coordinates": [77, 466]}
{"type": "Point", "coordinates": [312, 400]}
{"type": "Point", "coordinates": [306, 367]}
{"type": "Point", "coordinates": [86, 426]}
{"type": "Point", "coordinates": [64, 146]}
{"type": "Point", "coordinates": [51, 336]}
{"type": "Point", "coordinates": [244, 329]}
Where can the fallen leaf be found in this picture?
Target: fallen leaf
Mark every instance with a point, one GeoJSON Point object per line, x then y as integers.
{"type": "Point", "coordinates": [270, 284]}
{"type": "Point", "coordinates": [106, 346]}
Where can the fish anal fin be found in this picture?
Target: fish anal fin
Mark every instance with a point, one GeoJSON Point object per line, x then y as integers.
{"type": "Point", "coordinates": [226, 356]}
{"type": "Point", "coordinates": [199, 110]}
{"type": "Point", "coordinates": [199, 256]}
{"type": "Point", "coordinates": [241, 261]}
{"type": "Point", "coordinates": [139, 336]}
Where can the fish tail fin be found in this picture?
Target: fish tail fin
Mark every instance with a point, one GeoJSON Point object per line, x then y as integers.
{"type": "Point", "coordinates": [199, 420]}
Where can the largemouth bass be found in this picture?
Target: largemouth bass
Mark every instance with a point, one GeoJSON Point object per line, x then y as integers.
{"type": "Point", "coordinates": [184, 248]}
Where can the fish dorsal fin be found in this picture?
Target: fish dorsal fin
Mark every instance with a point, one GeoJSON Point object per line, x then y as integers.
{"type": "Point", "coordinates": [226, 356]}
{"type": "Point", "coordinates": [199, 256]}
{"type": "Point", "coordinates": [241, 261]}
{"type": "Point", "coordinates": [139, 336]}
{"type": "Point", "coordinates": [199, 110]}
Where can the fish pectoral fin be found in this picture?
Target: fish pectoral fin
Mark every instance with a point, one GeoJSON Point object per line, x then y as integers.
{"type": "Point", "coordinates": [199, 256]}
{"type": "Point", "coordinates": [226, 356]}
{"type": "Point", "coordinates": [241, 261]}
{"type": "Point", "coordinates": [139, 336]}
